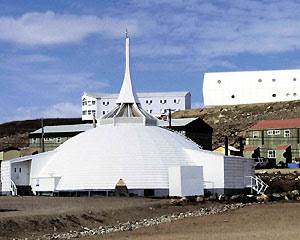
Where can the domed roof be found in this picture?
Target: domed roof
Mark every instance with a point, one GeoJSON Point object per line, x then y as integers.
{"type": "Point", "coordinates": [100, 157]}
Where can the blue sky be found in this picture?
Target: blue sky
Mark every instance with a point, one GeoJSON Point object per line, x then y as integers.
{"type": "Point", "coordinates": [51, 51]}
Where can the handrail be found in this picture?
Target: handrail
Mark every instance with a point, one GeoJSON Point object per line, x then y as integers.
{"type": "Point", "coordinates": [257, 185]}
{"type": "Point", "coordinates": [13, 188]}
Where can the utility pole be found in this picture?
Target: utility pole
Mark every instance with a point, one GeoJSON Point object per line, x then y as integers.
{"type": "Point", "coordinates": [241, 146]}
{"type": "Point", "coordinates": [226, 146]}
{"type": "Point", "coordinates": [42, 140]}
{"type": "Point", "coordinates": [170, 116]}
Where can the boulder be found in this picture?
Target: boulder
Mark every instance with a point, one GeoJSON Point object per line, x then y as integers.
{"type": "Point", "coordinates": [276, 197]}
{"type": "Point", "coordinates": [237, 198]}
{"type": "Point", "coordinates": [263, 198]}
{"type": "Point", "coordinates": [222, 197]}
{"type": "Point", "coordinates": [200, 199]}
{"type": "Point", "coordinates": [175, 202]}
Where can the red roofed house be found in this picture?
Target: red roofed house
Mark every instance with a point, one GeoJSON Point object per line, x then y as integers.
{"type": "Point", "coordinates": [277, 140]}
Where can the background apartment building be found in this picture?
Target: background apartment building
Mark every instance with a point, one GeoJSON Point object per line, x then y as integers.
{"type": "Point", "coordinates": [156, 104]}
{"type": "Point", "coordinates": [276, 140]}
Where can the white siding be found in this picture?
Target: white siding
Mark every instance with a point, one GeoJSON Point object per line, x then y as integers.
{"type": "Point", "coordinates": [177, 101]}
{"type": "Point", "coordinates": [186, 181]}
{"type": "Point", "coordinates": [5, 176]}
{"type": "Point", "coordinates": [213, 168]}
{"type": "Point", "coordinates": [235, 171]}
{"type": "Point", "coordinates": [231, 88]}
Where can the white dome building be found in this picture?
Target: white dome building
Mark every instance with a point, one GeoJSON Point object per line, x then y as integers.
{"type": "Point", "coordinates": [126, 145]}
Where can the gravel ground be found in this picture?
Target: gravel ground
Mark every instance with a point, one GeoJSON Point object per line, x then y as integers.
{"type": "Point", "coordinates": [270, 221]}
{"type": "Point", "coordinates": [31, 217]}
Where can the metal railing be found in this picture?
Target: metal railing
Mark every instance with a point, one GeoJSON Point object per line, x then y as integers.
{"type": "Point", "coordinates": [257, 185]}
{"type": "Point", "coordinates": [13, 188]}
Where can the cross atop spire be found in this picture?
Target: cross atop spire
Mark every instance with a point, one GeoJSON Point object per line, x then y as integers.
{"type": "Point", "coordinates": [127, 93]}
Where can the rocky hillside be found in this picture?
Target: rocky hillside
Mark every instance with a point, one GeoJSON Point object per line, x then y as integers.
{"type": "Point", "coordinates": [233, 121]}
{"type": "Point", "coordinates": [15, 134]}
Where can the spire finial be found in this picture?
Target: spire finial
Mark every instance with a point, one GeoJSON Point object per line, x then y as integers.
{"type": "Point", "coordinates": [126, 33]}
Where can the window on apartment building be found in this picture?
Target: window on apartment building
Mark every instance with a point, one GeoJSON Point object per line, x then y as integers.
{"type": "Point", "coordinates": [89, 103]}
{"type": "Point", "coordinates": [177, 101]}
{"type": "Point", "coordinates": [89, 112]}
{"type": "Point", "coordinates": [163, 101]}
{"type": "Point", "coordinates": [163, 110]}
{"type": "Point", "coordinates": [149, 101]}
{"type": "Point", "coordinates": [256, 134]}
{"type": "Point", "coordinates": [271, 154]}
{"type": "Point", "coordinates": [93, 111]}
{"type": "Point", "coordinates": [273, 132]}
{"type": "Point", "coordinates": [15, 169]}
{"type": "Point", "coordinates": [103, 112]}
{"type": "Point", "coordinates": [93, 102]}
{"type": "Point", "coordinates": [83, 112]}
{"type": "Point", "coordinates": [105, 103]}
{"type": "Point", "coordinates": [287, 133]}
{"type": "Point", "coordinates": [83, 102]}
{"type": "Point", "coordinates": [58, 140]}
{"type": "Point", "coordinates": [149, 110]}
{"type": "Point", "coordinates": [20, 169]}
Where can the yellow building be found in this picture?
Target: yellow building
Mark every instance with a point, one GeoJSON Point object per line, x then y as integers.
{"type": "Point", "coordinates": [9, 153]}
{"type": "Point", "coordinates": [231, 151]}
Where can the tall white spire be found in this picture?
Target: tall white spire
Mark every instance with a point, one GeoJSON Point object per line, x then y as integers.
{"type": "Point", "coordinates": [127, 93]}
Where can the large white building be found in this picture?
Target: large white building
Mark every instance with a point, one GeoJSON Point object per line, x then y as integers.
{"type": "Point", "coordinates": [232, 88]}
{"type": "Point", "coordinates": [127, 144]}
{"type": "Point", "coordinates": [156, 103]}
